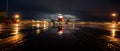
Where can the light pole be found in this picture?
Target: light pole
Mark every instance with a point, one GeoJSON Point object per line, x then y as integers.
{"type": "Point", "coordinates": [16, 16]}
{"type": "Point", "coordinates": [7, 8]}
{"type": "Point", "coordinates": [114, 16]}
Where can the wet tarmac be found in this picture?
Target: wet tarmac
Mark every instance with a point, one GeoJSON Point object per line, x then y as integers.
{"type": "Point", "coordinates": [82, 37]}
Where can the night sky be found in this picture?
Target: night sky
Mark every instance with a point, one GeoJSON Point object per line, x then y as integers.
{"type": "Point", "coordinates": [85, 10]}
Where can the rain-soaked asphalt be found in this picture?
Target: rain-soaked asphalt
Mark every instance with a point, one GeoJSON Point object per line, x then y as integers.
{"type": "Point", "coordinates": [82, 37]}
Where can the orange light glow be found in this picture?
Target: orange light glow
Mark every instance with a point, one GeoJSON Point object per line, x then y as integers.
{"type": "Point", "coordinates": [16, 30]}
{"type": "Point", "coordinates": [60, 32]}
{"type": "Point", "coordinates": [113, 14]}
{"type": "Point", "coordinates": [16, 24]}
{"type": "Point", "coordinates": [18, 20]}
{"type": "Point", "coordinates": [38, 31]}
{"type": "Point", "coordinates": [17, 16]}
{"type": "Point", "coordinates": [113, 32]}
{"type": "Point", "coordinates": [38, 25]}
{"type": "Point", "coordinates": [113, 25]}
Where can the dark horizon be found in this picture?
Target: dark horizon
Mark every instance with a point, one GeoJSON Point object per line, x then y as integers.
{"type": "Point", "coordinates": [85, 10]}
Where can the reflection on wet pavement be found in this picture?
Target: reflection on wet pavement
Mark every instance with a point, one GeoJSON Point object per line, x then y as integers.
{"type": "Point", "coordinates": [85, 37]}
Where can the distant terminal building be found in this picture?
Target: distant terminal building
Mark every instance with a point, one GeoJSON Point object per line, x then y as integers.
{"type": "Point", "coordinates": [26, 21]}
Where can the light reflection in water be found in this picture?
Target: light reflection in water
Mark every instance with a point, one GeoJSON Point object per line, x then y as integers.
{"type": "Point", "coordinates": [113, 25]}
{"type": "Point", "coordinates": [60, 30]}
{"type": "Point", "coordinates": [12, 40]}
{"type": "Point", "coordinates": [16, 29]}
{"type": "Point", "coordinates": [73, 26]}
{"type": "Point", "coordinates": [16, 38]}
{"type": "Point", "coordinates": [38, 31]}
{"type": "Point", "coordinates": [113, 32]}
{"type": "Point", "coordinates": [16, 24]}
{"type": "Point", "coordinates": [44, 26]}
{"type": "Point", "coordinates": [112, 39]}
{"type": "Point", "coordinates": [38, 25]}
